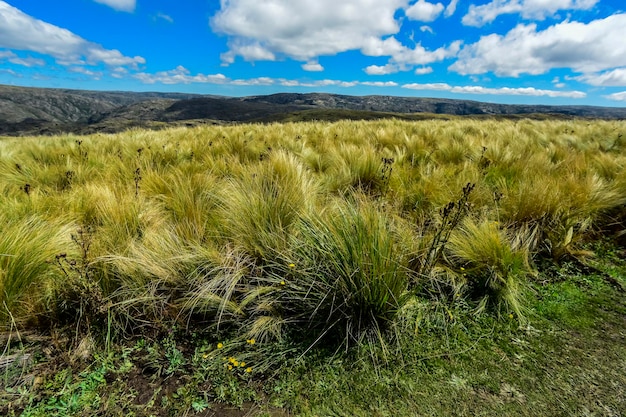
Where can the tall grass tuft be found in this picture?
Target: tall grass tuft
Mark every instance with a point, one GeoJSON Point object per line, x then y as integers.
{"type": "Point", "coordinates": [259, 209]}
{"type": "Point", "coordinates": [494, 263]}
{"type": "Point", "coordinates": [27, 250]}
{"type": "Point", "coordinates": [345, 276]}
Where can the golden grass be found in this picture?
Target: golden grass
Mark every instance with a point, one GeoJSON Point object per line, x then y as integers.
{"type": "Point", "coordinates": [178, 215]}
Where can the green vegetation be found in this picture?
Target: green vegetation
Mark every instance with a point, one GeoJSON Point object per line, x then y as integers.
{"type": "Point", "coordinates": [354, 268]}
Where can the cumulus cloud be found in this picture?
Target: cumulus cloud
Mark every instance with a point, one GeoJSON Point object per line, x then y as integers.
{"type": "Point", "coordinates": [312, 66]}
{"type": "Point", "coordinates": [179, 75]}
{"type": "Point", "coordinates": [96, 75]}
{"type": "Point", "coordinates": [583, 47]}
{"type": "Point", "coordinates": [508, 91]}
{"type": "Point", "coordinates": [451, 8]}
{"type": "Point", "coordinates": [403, 58]}
{"type": "Point", "coordinates": [381, 69]}
{"type": "Point", "coordinates": [529, 9]}
{"type": "Point", "coordinates": [120, 5]}
{"type": "Point", "coordinates": [380, 83]}
{"type": "Point", "coordinates": [22, 32]}
{"type": "Point", "coordinates": [26, 62]}
{"type": "Point", "coordinates": [423, 70]}
{"type": "Point", "coordinates": [613, 78]}
{"type": "Point", "coordinates": [307, 29]}
{"type": "Point", "coordinates": [621, 96]}
{"type": "Point", "coordinates": [424, 11]}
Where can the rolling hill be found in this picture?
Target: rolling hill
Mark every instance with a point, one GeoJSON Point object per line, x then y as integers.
{"type": "Point", "coordinates": [32, 111]}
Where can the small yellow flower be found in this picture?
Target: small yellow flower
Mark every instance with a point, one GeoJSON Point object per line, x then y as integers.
{"type": "Point", "coordinates": [220, 345]}
{"type": "Point", "coordinates": [242, 364]}
{"type": "Point", "coordinates": [230, 367]}
{"type": "Point", "coordinates": [250, 341]}
{"type": "Point", "coordinates": [510, 316]}
{"type": "Point", "coordinates": [282, 282]}
{"type": "Point", "coordinates": [231, 359]}
{"type": "Point", "coordinates": [292, 266]}
{"type": "Point", "coordinates": [205, 356]}
{"type": "Point", "coordinates": [235, 363]}
{"type": "Point", "coordinates": [248, 370]}
{"type": "Point", "coordinates": [462, 269]}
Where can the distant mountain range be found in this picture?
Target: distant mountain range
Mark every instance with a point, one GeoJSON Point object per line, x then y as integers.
{"type": "Point", "coordinates": [32, 111]}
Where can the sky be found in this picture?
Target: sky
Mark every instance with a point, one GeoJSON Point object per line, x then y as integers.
{"type": "Point", "coordinates": [505, 51]}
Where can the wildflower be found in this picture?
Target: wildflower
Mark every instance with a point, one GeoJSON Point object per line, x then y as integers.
{"type": "Point", "coordinates": [462, 269]}
{"type": "Point", "coordinates": [205, 356]}
{"type": "Point", "coordinates": [242, 364]}
{"type": "Point", "coordinates": [231, 359]}
{"type": "Point", "coordinates": [235, 363]}
{"type": "Point", "coordinates": [250, 341]}
{"type": "Point", "coordinates": [220, 345]}
{"type": "Point", "coordinates": [230, 367]}
{"type": "Point", "coordinates": [292, 266]}
{"type": "Point", "coordinates": [510, 316]}
{"type": "Point", "coordinates": [248, 370]}
{"type": "Point", "coordinates": [282, 282]}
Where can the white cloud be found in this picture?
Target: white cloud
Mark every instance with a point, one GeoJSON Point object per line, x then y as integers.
{"type": "Point", "coordinates": [423, 70]}
{"type": "Point", "coordinates": [428, 29]}
{"type": "Point", "coordinates": [424, 11]}
{"type": "Point", "coordinates": [317, 83]}
{"type": "Point", "coordinates": [524, 91]}
{"type": "Point", "coordinates": [451, 8]}
{"type": "Point", "coordinates": [380, 83]}
{"type": "Point", "coordinates": [529, 9]}
{"type": "Point", "coordinates": [381, 69]}
{"type": "Point", "coordinates": [614, 78]}
{"type": "Point", "coordinates": [164, 16]}
{"type": "Point", "coordinates": [82, 70]}
{"type": "Point", "coordinates": [307, 29]}
{"type": "Point", "coordinates": [249, 51]}
{"type": "Point", "coordinates": [584, 47]}
{"type": "Point", "coordinates": [120, 5]}
{"type": "Point", "coordinates": [428, 86]}
{"type": "Point", "coordinates": [26, 62]}
{"type": "Point", "coordinates": [119, 72]}
{"type": "Point", "coordinates": [179, 75]}
{"type": "Point", "coordinates": [10, 72]}
{"type": "Point", "coordinates": [621, 96]}
{"type": "Point", "coordinates": [22, 32]}
{"type": "Point", "coordinates": [312, 66]}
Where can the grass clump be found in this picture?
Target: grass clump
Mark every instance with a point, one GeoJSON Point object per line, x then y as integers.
{"type": "Point", "coordinates": [27, 248]}
{"type": "Point", "coordinates": [494, 265]}
{"type": "Point", "coordinates": [345, 276]}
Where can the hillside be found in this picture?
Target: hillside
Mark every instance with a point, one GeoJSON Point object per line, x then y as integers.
{"type": "Point", "coordinates": [32, 111]}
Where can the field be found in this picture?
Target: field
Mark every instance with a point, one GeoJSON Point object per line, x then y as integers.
{"type": "Point", "coordinates": [436, 267]}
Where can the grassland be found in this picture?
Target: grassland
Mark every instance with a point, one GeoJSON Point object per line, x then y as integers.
{"type": "Point", "coordinates": [459, 267]}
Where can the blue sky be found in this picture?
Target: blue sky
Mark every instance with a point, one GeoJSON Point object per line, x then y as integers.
{"type": "Point", "coordinates": [509, 51]}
